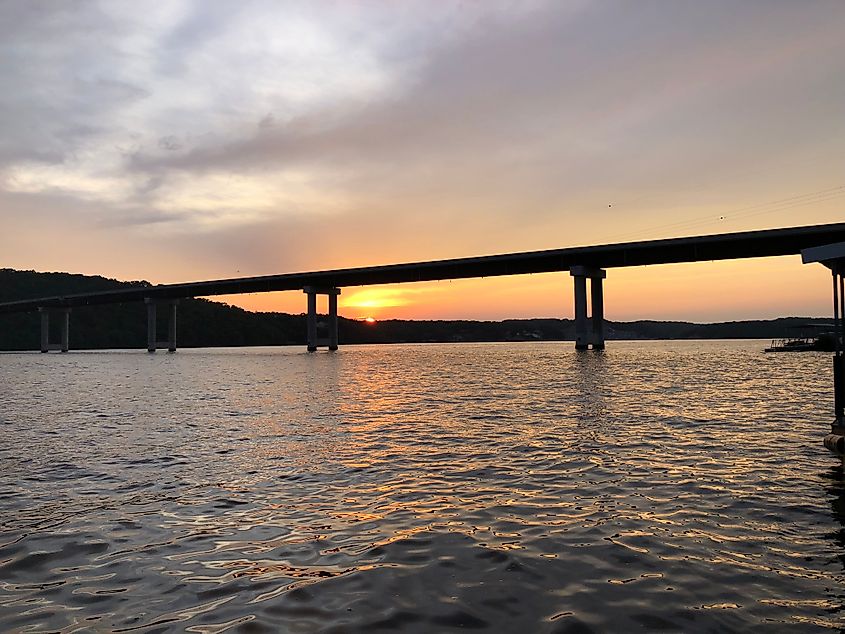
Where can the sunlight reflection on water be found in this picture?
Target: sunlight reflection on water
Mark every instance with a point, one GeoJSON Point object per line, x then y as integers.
{"type": "Point", "coordinates": [659, 485]}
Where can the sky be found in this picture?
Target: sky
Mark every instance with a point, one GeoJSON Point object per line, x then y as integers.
{"type": "Point", "coordinates": [189, 140]}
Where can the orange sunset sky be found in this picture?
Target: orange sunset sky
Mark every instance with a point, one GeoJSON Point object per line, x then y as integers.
{"type": "Point", "coordinates": [184, 141]}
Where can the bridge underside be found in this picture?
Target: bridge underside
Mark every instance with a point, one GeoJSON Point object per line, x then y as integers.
{"type": "Point", "coordinates": [750, 244]}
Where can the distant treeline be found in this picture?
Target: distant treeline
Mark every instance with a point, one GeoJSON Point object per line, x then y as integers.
{"type": "Point", "coordinates": [204, 323]}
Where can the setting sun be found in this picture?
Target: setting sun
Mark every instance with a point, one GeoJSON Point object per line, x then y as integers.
{"type": "Point", "coordinates": [370, 320]}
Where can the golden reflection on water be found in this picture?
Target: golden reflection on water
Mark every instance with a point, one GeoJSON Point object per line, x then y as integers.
{"type": "Point", "coordinates": [523, 486]}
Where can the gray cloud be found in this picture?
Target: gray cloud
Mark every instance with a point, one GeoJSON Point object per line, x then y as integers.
{"type": "Point", "coordinates": [57, 78]}
{"type": "Point", "coordinates": [189, 138]}
{"type": "Point", "coordinates": [558, 101]}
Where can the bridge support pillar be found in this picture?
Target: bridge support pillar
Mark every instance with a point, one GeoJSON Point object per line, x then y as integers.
{"type": "Point", "coordinates": [835, 440]}
{"type": "Point", "coordinates": [833, 257]}
{"type": "Point", "coordinates": [838, 270]}
{"type": "Point", "coordinates": [312, 340]}
{"type": "Point", "coordinates": [153, 342]}
{"type": "Point", "coordinates": [151, 325]}
{"type": "Point", "coordinates": [311, 321]}
{"type": "Point", "coordinates": [64, 324]}
{"type": "Point", "coordinates": [333, 321]}
{"type": "Point", "coordinates": [45, 329]}
{"type": "Point", "coordinates": [589, 330]}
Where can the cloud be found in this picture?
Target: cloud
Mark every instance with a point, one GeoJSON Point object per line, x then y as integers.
{"type": "Point", "coordinates": [558, 106]}
{"type": "Point", "coordinates": [194, 138]}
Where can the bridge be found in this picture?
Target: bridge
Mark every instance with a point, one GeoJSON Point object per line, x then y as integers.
{"type": "Point", "coordinates": [584, 264]}
{"type": "Point", "coordinates": [823, 244]}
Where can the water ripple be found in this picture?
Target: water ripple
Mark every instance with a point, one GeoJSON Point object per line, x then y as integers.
{"type": "Point", "coordinates": [657, 486]}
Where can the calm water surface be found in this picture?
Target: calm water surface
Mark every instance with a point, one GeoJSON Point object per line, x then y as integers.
{"type": "Point", "coordinates": [423, 488]}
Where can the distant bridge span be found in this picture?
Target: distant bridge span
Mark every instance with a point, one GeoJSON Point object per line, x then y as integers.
{"type": "Point", "coordinates": [582, 262]}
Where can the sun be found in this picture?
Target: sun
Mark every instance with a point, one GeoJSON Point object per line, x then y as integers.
{"type": "Point", "coordinates": [370, 320]}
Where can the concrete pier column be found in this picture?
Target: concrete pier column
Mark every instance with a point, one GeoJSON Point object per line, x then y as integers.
{"type": "Point", "coordinates": [45, 329]}
{"type": "Point", "coordinates": [597, 300]}
{"type": "Point", "coordinates": [313, 340]}
{"type": "Point", "coordinates": [333, 321]}
{"type": "Point", "coordinates": [64, 329]}
{"type": "Point", "coordinates": [589, 330]}
{"type": "Point", "coordinates": [65, 324]}
{"type": "Point", "coordinates": [152, 325]}
{"type": "Point", "coordinates": [839, 353]}
{"type": "Point", "coordinates": [171, 325]}
{"type": "Point", "coordinates": [153, 342]}
{"type": "Point", "coordinates": [311, 321]}
{"type": "Point", "coordinates": [833, 257]}
{"type": "Point", "coordinates": [582, 338]}
{"type": "Point", "coordinates": [835, 440]}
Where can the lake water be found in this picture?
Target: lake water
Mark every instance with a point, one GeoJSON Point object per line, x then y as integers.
{"type": "Point", "coordinates": [422, 488]}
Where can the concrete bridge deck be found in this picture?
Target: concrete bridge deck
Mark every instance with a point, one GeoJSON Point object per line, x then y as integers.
{"type": "Point", "coordinates": [750, 244]}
